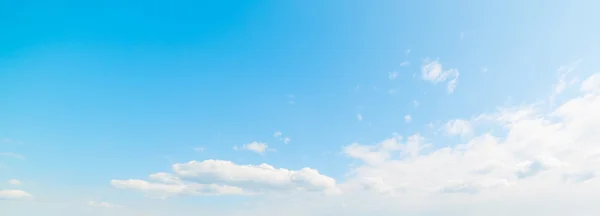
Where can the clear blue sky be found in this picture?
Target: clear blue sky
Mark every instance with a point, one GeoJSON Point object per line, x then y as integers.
{"type": "Point", "coordinates": [91, 92]}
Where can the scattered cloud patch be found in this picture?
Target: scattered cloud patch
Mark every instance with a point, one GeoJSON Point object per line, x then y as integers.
{"type": "Point", "coordinates": [458, 127]}
{"type": "Point", "coordinates": [257, 147]}
{"type": "Point", "coordinates": [279, 135]}
{"type": "Point", "coordinates": [416, 103]}
{"type": "Point", "coordinates": [432, 71]}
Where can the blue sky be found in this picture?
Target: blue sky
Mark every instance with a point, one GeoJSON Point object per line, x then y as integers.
{"type": "Point", "coordinates": [95, 92]}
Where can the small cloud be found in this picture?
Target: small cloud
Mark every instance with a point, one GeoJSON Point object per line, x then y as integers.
{"type": "Point", "coordinates": [12, 155]}
{"type": "Point", "coordinates": [458, 127]}
{"type": "Point", "coordinates": [404, 63]}
{"type": "Point", "coordinates": [432, 71]}
{"type": "Point", "coordinates": [14, 182]}
{"type": "Point", "coordinates": [14, 195]}
{"type": "Point", "coordinates": [392, 75]}
{"type": "Point", "coordinates": [359, 117]}
{"type": "Point", "coordinates": [256, 147]}
{"type": "Point", "coordinates": [416, 103]}
{"type": "Point", "coordinates": [103, 205]}
{"type": "Point", "coordinates": [407, 118]}
{"type": "Point", "coordinates": [484, 69]}
{"type": "Point", "coordinates": [199, 149]}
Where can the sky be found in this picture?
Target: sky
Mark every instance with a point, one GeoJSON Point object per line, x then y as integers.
{"type": "Point", "coordinates": [299, 108]}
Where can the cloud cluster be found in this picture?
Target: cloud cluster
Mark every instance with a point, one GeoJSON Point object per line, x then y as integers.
{"type": "Point", "coordinates": [217, 177]}
{"type": "Point", "coordinates": [536, 150]}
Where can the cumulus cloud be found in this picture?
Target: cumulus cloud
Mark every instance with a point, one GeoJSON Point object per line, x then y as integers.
{"type": "Point", "coordinates": [14, 195]}
{"type": "Point", "coordinates": [256, 147]}
{"type": "Point", "coordinates": [458, 127]}
{"type": "Point", "coordinates": [537, 150]}
{"type": "Point", "coordinates": [103, 205]}
{"type": "Point", "coordinates": [217, 177]}
{"type": "Point", "coordinates": [432, 71]}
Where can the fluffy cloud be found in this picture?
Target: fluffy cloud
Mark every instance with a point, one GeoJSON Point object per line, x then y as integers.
{"type": "Point", "coordinates": [263, 177]}
{"type": "Point", "coordinates": [536, 150]}
{"type": "Point", "coordinates": [216, 177]}
{"type": "Point", "coordinates": [103, 205]}
{"type": "Point", "coordinates": [14, 195]}
{"type": "Point", "coordinates": [432, 71]}
{"type": "Point", "coordinates": [256, 147]}
{"type": "Point", "coordinates": [458, 127]}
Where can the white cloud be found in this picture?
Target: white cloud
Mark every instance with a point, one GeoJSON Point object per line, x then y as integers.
{"type": "Point", "coordinates": [14, 195]}
{"type": "Point", "coordinates": [103, 205]}
{"type": "Point", "coordinates": [359, 117]}
{"type": "Point", "coordinates": [407, 118]}
{"type": "Point", "coordinates": [166, 190]}
{"type": "Point", "coordinates": [14, 182]}
{"type": "Point", "coordinates": [254, 178]}
{"type": "Point", "coordinates": [392, 75]}
{"type": "Point", "coordinates": [432, 71]}
{"type": "Point", "coordinates": [12, 155]}
{"type": "Point", "coordinates": [280, 136]}
{"type": "Point", "coordinates": [591, 84]}
{"type": "Point", "coordinates": [458, 127]}
{"type": "Point", "coordinates": [404, 63]}
{"type": "Point", "coordinates": [256, 147]}
{"type": "Point", "coordinates": [549, 157]}
{"type": "Point", "coordinates": [217, 177]}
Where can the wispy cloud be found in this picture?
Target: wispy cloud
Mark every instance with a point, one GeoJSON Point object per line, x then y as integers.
{"type": "Point", "coordinates": [12, 155]}
{"type": "Point", "coordinates": [392, 75]}
{"type": "Point", "coordinates": [256, 147]}
{"type": "Point", "coordinates": [432, 71]}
